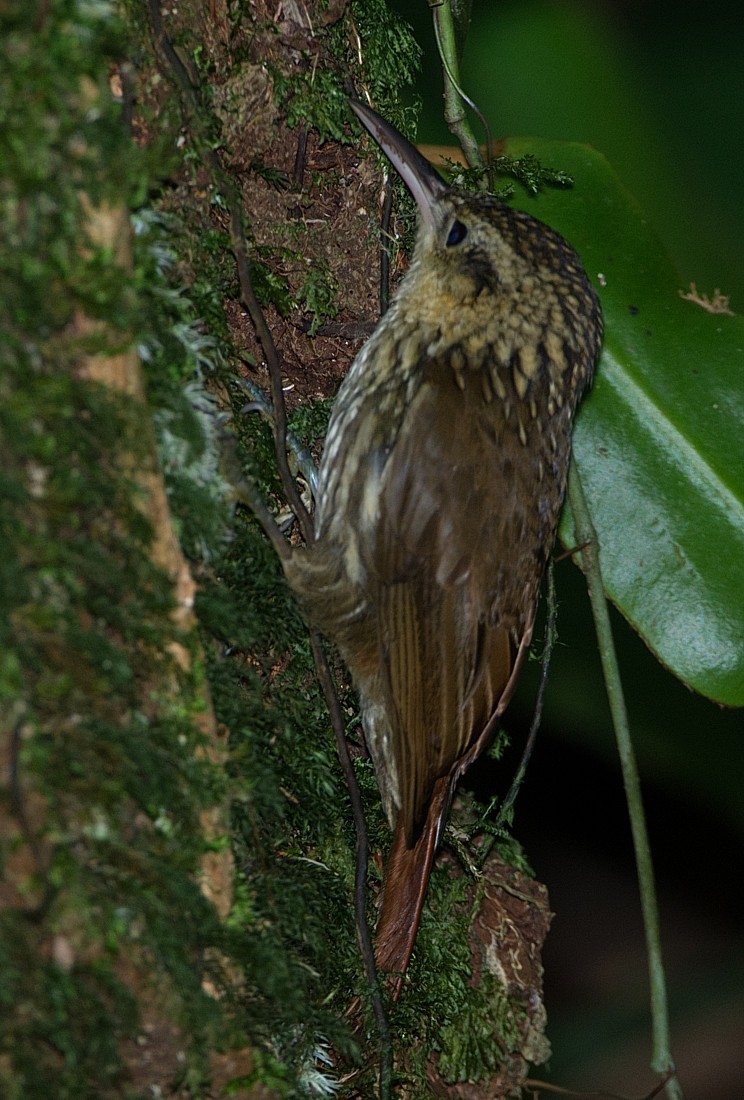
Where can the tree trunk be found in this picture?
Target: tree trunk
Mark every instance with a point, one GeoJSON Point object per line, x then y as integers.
{"type": "Point", "coordinates": [177, 900]}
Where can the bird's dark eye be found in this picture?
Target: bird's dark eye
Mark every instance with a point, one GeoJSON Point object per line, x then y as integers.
{"type": "Point", "coordinates": [458, 232]}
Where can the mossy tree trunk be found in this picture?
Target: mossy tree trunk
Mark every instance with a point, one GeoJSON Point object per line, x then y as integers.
{"type": "Point", "coordinates": [178, 851]}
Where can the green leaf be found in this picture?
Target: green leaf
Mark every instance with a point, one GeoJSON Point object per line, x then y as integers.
{"type": "Point", "coordinates": [660, 439]}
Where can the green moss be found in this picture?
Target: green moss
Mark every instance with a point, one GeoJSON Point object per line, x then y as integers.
{"type": "Point", "coordinates": [87, 620]}
{"type": "Point", "coordinates": [315, 98]}
{"type": "Point", "coordinates": [310, 421]}
{"type": "Point", "coordinates": [318, 293]}
{"type": "Point", "coordinates": [107, 784]}
{"type": "Point", "coordinates": [390, 58]}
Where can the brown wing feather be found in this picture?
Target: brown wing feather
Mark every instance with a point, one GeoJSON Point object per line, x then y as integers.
{"type": "Point", "coordinates": [446, 656]}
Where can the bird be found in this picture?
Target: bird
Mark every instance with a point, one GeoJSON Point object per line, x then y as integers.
{"type": "Point", "coordinates": [440, 488]}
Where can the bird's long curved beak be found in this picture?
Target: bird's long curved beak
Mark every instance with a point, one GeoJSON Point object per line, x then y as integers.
{"type": "Point", "coordinates": [423, 181]}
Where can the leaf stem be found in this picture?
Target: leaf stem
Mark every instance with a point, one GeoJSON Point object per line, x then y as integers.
{"type": "Point", "coordinates": [506, 809]}
{"type": "Point", "coordinates": [586, 537]}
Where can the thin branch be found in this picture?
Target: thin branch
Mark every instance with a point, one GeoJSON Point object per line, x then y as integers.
{"type": "Point", "coordinates": [454, 96]}
{"type": "Point", "coordinates": [250, 495]}
{"type": "Point", "coordinates": [271, 355]}
{"type": "Point", "coordinates": [661, 1061]}
{"type": "Point", "coordinates": [260, 403]}
{"type": "Point", "coordinates": [546, 1086]}
{"type": "Point", "coordinates": [362, 859]}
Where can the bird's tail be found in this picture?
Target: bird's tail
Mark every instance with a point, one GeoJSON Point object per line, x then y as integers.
{"type": "Point", "coordinates": [404, 889]}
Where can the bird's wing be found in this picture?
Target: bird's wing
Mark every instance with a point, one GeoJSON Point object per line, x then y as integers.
{"type": "Point", "coordinates": [445, 659]}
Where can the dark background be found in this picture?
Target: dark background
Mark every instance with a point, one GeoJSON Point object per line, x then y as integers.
{"type": "Point", "coordinates": [658, 88]}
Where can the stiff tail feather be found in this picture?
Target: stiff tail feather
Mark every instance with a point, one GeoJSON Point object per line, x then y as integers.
{"type": "Point", "coordinates": [404, 889]}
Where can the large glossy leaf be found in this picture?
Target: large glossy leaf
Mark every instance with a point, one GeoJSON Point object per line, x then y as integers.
{"type": "Point", "coordinates": [660, 439]}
